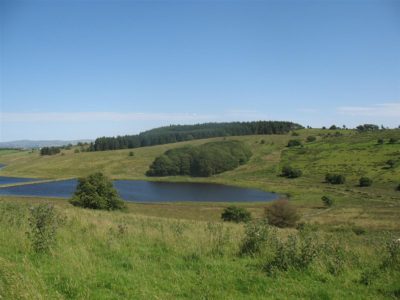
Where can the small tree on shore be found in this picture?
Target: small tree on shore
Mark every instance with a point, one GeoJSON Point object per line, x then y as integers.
{"type": "Point", "coordinates": [96, 192]}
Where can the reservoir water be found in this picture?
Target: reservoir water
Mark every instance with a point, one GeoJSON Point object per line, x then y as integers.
{"type": "Point", "coordinates": [146, 191]}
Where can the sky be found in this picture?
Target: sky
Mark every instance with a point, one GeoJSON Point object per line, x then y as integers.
{"type": "Point", "coordinates": [83, 69]}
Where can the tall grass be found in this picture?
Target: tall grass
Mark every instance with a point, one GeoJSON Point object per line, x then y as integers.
{"type": "Point", "coordinates": [114, 255]}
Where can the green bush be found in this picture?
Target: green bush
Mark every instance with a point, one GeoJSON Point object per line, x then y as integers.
{"type": "Point", "coordinates": [290, 172]}
{"type": "Point", "coordinates": [236, 214]}
{"type": "Point", "coordinates": [392, 140]}
{"type": "Point", "coordinates": [335, 178]}
{"type": "Point", "coordinates": [96, 192]}
{"type": "Point", "coordinates": [282, 214]}
{"type": "Point", "coordinates": [398, 187]}
{"type": "Point", "coordinates": [328, 202]}
{"type": "Point", "coordinates": [257, 235]}
{"type": "Point", "coordinates": [43, 223]}
{"type": "Point", "coordinates": [204, 160]}
{"type": "Point", "coordinates": [311, 138]}
{"type": "Point", "coordinates": [365, 181]}
{"type": "Point", "coordinates": [294, 143]}
{"type": "Point", "coordinates": [297, 252]}
{"type": "Point", "coordinates": [381, 141]}
{"type": "Point", "coordinates": [131, 153]}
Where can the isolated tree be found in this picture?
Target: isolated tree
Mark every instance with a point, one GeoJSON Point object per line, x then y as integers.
{"type": "Point", "coordinates": [282, 214]}
{"type": "Point", "coordinates": [96, 192]}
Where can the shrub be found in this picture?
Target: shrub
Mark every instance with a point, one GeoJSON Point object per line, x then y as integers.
{"type": "Point", "coordinates": [295, 133]}
{"type": "Point", "coordinates": [282, 214]}
{"type": "Point", "coordinates": [294, 143]}
{"type": "Point", "coordinates": [398, 187]}
{"type": "Point", "coordinates": [290, 172]}
{"type": "Point", "coordinates": [311, 138]}
{"type": "Point", "coordinates": [365, 181]}
{"type": "Point", "coordinates": [381, 141]}
{"type": "Point", "coordinates": [335, 178]}
{"type": "Point", "coordinates": [257, 234]}
{"type": "Point", "coordinates": [298, 252]}
{"type": "Point", "coordinates": [97, 192]}
{"type": "Point", "coordinates": [43, 223]}
{"type": "Point", "coordinates": [392, 141]}
{"type": "Point", "coordinates": [236, 214]}
{"type": "Point", "coordinates": [328, 202]}
{"type": "Point", "coordinates": [131, 153]}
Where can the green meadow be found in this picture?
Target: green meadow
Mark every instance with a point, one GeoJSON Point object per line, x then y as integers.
{"type": "Point", "coordinates": [184, 251]}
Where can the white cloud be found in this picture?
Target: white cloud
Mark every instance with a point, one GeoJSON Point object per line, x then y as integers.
{"type": "Point", "coordinates": [378, 110]}
{"type": "Point", "coordinates": [100, 116]}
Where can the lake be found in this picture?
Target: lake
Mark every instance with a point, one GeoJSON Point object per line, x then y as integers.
{"type": "Point", "coordinates": [146, 191]}
{"type": "Point", "coordinates": [11, 180]}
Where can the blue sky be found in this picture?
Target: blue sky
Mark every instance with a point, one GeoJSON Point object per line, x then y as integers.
{"type": "Point", "coordinates": [83, 69]}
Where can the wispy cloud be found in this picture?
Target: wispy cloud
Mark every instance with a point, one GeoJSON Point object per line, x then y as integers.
{"type": "Point", "coordinates": [378, 110]}
{"type": "Point", "coordinates": [100, 116]}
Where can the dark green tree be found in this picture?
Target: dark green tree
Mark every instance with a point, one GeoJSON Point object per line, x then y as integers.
{"type": "Point", "coordinates": [96, 191]}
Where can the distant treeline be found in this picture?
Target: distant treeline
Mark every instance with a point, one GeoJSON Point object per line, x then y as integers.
{"type": "Point", "coordinates": [50, 150]}
{"type": "Point", "coordinates": [179, 133]}
{"type": "Point", "coordinates": [204, 160]}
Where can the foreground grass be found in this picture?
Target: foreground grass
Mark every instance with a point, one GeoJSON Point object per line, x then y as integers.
{"type": "Point", "coordinates": [114, 255]}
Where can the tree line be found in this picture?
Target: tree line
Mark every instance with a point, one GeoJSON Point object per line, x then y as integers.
{"type": "Point", "coordinates": [204, 160]}
{"type": "Point", "coordinates": [179, 133]}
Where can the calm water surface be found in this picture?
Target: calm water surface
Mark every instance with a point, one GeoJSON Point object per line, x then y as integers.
{"type": "Point", "coordinates": [145, 191]}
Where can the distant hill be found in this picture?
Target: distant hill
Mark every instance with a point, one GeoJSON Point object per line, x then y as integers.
{"type": "Point", "coordinates": [28, 144]}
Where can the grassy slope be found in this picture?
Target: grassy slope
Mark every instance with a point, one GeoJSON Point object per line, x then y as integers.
{"type": "Point", "coordinates": [120, 255]}
{"type": "Point", "coordinates": [154, 260]}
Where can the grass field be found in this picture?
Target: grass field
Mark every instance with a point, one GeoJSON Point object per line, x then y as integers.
{"type": "Point", "coordinates": [182, 250]}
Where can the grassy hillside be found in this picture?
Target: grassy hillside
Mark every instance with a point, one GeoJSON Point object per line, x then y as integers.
{"type": "Point", "coordinates": [114, 255]}
{"type": "Point", "coordinates": [352, 154]}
